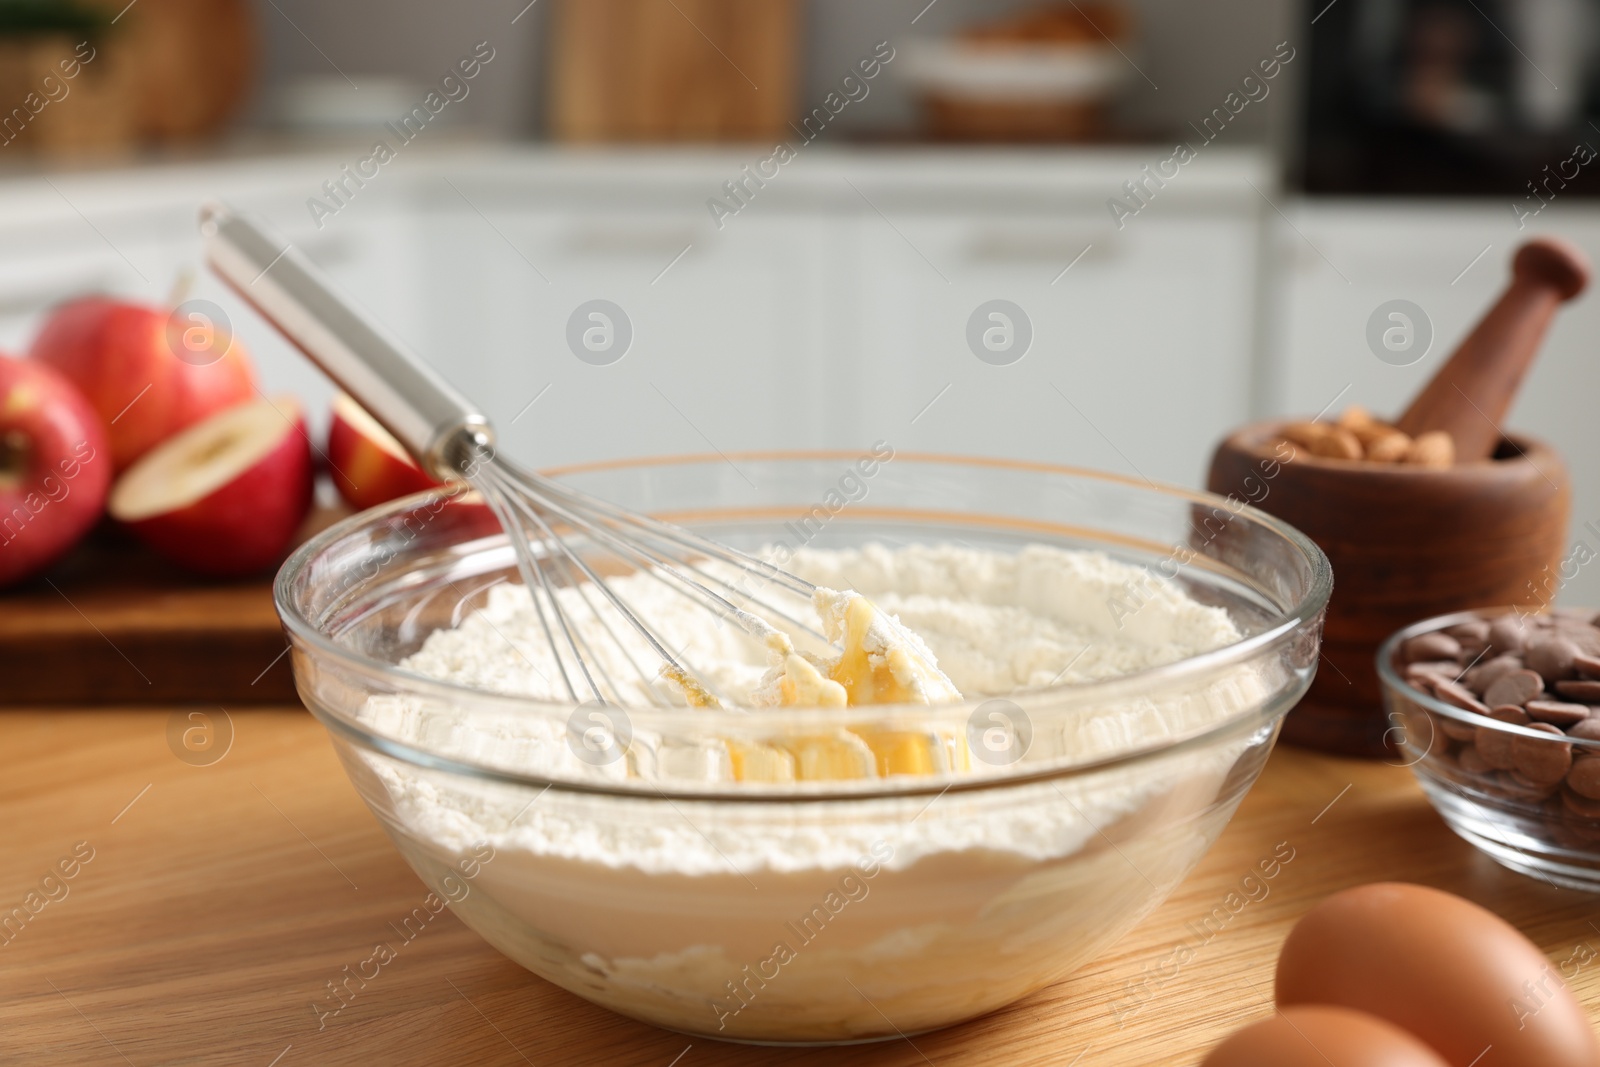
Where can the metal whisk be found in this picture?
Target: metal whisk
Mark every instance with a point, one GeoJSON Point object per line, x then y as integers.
{"type": "Point", "coordinates": [454, 442]}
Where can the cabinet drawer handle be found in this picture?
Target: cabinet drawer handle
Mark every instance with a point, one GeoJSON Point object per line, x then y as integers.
{"type": "Point", "coordinates": [998, 246]}
{"type": "Point", "coordinates": [616, 241]}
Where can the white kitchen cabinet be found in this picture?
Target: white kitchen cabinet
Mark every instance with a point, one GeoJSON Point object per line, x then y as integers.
{"type": "Point", "coordinates": [1347, 258]}
{"type": "Point", "coordinates": [42, 265]}
{"type": "Point", "coordinates": [132, 233]}
{"type": "Point", "coordinates": [724, 340]}
{"type": "Point", "coordinates": [832, 311]}
{"type": "Point", "coordinates": [1140, 353]}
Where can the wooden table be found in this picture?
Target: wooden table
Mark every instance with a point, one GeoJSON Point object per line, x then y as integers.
{"type": "Point", "coordinates": [220, 899]}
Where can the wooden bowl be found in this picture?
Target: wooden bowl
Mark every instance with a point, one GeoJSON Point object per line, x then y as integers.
{"type": "Point", "coordinates": [951, 118]}
{"type": "Point", "coordinates": [1406, 543]}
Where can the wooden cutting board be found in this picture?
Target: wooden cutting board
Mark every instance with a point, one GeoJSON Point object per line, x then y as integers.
{"type": "Point", "coordinates": [113, 624]}
{"type": "Point", "coordinates": [684, 70]}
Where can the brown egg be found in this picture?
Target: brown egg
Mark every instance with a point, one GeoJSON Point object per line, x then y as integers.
{"type": "Point", "coordinates": [1453, 974]}
{"type": "Point", "coordinates": [1317, 1035]}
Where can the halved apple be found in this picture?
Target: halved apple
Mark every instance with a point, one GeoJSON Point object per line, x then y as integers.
{"type": "Point", "coordinates": [225, 496]}
{"type": "Point", "coordinates": [369, 466]}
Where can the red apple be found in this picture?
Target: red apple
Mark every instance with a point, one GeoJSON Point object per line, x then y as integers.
{"type": "Point", "coordinates": [146, 375]}
{"type": "Point", "coordinates": [225, 496]}
{"type": "Point", "coordinates": [369, 466]}
{"type": "Point", "coordinates": [55, 467]}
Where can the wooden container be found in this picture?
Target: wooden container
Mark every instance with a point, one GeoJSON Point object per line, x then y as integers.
{"type": "Point", "coordinates": [66, 98]}
{"type": "Point", "coordinates": [165, 71]}
{"type": "Point", "coordinates": [195, 60]}
{"type": "Point", "coordinates": [691, 70]}
{"type": "Point", "coordinates": [954, 118]}
{"type": "Point", "coordinates": [1406, 543]}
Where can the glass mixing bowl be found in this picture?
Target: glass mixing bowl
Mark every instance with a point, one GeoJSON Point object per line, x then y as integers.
{"type": "Point", "coordinates": [1540, 828]}
{"type": "Point", "coordinates": [810, 911]}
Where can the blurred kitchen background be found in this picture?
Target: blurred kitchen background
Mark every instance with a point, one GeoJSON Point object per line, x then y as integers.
{"type": "Point", "coordinates": [936, 156]}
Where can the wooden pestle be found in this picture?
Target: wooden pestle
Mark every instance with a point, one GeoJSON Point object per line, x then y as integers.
{"type": "Point", "coordinates": [1469, 396]}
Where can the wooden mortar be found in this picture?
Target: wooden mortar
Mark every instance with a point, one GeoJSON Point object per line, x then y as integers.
{"type": "Point", "coordinates": [1406, 543]}
{"type": "Point", "coordinates": [1409, 542]}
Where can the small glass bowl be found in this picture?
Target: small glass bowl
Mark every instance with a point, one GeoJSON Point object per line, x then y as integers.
{"type": "Point", "coordinates": [1544, 831]}
{"type": "Point", "coordinates": [945, 894]}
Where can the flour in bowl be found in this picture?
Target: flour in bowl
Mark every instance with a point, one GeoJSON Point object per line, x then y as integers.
{"type": "Point", "coordinates": [994, 622]}
{"type": "Point", "coordinates": [849, 918]}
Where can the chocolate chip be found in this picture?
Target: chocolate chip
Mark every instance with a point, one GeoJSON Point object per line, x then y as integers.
{"type": "Point", "coordinates": [1578, 804]}
{"type": "Point", "coordinates": [1588, 729]}
{"type": "Point", "coordinates": [1584, 777]}
{"type": "Point", "coordinates": [1586, 691]}
{"type": "Point", "coordinates": [1556, 712]}
{"type": "Point", "coordinates": [1553, 657]}
{"type": "Point", "coordinates": [1588, 666]}
{"type": "Point", "coordinates": [1536, 791]}
{"type": "Point", "coordinates": [1431, 647]}
{"type": "Point", "coordinates": [1507, 633]}
{"type": "Point", "coordinates": [1573, 828]}
{"type": "Point", "coordinates": [1474, 630]}
{"type": "Point", "coordinates": [1494, 744]}
{"type": "Point", "coordinates": [1516, 787]}
{"type": "Point", "coordinates": [1480, 678]}
{"type": "Point", "coordinates": [1459, 695]}
{"type": "Point", "coordinates": [1541, 761]}
{"type": "Point", "coordinates": [1518, 687]}
{"type": "Point", "coordinates": [1472, 762]}
{"type": "Point", "coordinates": [1431, 672]}
{"type": "Point", "coordinates": [1455, 729]}
{"type": "Point", "coordinates": [1582, 635]}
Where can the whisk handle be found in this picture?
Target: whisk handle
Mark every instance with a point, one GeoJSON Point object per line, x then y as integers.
{"type": "Point", "coordinates": [437, 425]}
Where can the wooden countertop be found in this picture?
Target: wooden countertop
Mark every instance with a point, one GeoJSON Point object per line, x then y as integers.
{"type": "Point", "coordinates": [220, 899]}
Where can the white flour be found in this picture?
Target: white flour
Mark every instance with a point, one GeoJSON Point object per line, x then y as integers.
{"type": "Point", "coordinates": [932, 909]}
{"type": "Point", "coordinates": [996, 623]}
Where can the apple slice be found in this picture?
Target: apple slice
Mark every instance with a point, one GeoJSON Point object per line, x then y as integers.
{"type": "Point", "coordinates": [369, 466]}
{"type": "Point", "coordinates": [225, 496]}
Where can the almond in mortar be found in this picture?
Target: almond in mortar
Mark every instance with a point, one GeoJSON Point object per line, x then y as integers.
{"type": "Point", "coordinates": [1358, 436]}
